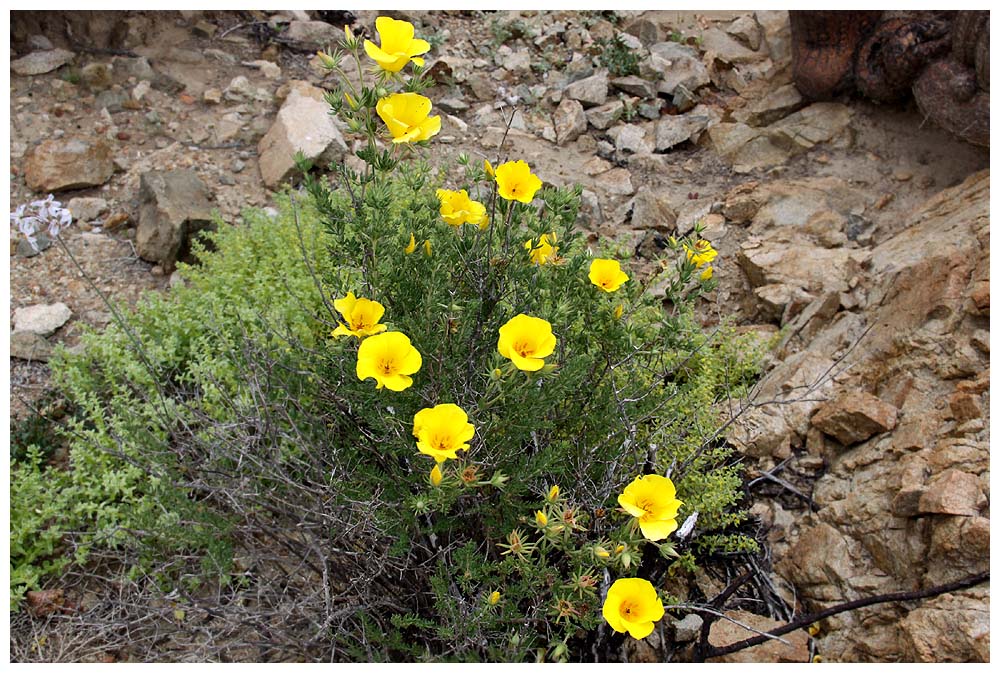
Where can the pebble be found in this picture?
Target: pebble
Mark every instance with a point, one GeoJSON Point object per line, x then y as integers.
{"type": "Point", "coordinates": [238, 165]}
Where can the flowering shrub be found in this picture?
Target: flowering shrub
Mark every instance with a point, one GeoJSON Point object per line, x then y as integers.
{"type": "Point", "coordinates": [546, 384]}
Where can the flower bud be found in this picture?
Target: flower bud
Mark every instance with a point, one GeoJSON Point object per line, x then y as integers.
{"type": "Point", "coordinates": [553, 493]}
{"type": "Point", "coordinates": [494, 598]}
{"type": "Point", "coordinates": [707, 273]}
{"type": "Point", "coordinates": [601, 552]}
{"type": "Point", "coordinates": [488, 167]}
{"type": "Point", "coordinates": [411, 246]}
{"type": "Point", "coordinates": [427, 247]}
{"type": "Point", "coordinates": [496, 374]}
{"type": "Point", "coordinates": [618, 311]}
{"type": "Point", "coordinates": [541, 519]}
{"type": "Point", "coordinates": [498, 480]}
{"type": "Point", "coordinates": [326, 60]}
{"type": "Point", "coordinates": [436, 475]}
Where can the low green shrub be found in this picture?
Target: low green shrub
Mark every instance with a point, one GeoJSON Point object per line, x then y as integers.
{"type": "Point", "coordinates": [240, 411]}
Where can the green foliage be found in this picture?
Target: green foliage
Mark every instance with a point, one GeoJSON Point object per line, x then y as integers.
{"type": "Point", "coordinates": [617, 57]}
{"type": "Point", "coordinates": [241, 417]}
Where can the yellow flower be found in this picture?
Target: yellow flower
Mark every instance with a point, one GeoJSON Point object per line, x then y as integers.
{"type": "Point", "coordinates": [398, 45]}
{"type": "Point", "coordinates": [494, 598]}
{"type": "Point", "coordinates": [362, 316]}
{"type": "Point", "coordinates": [389, 358]}
{"type": "Point", "coordinates": [702, 253]}
{"type": "Point", "coordinates": [427, 247]}
{"type": "Point", "coordinates": [652, 499]}
{"type": "Point", "coordinates": [541, 519]}
{"type": "Point", "coordinates": [436, 475]}
{"type": "Point", "coordinates": [516, 182]}
{"type": "Point", "coordinates": [707, 273]}
{"type": "Point", "coordinates": [618, 311]}
{"type": "Point", "coordinates": [442, 430]}
{"type": "Point", "coordinates": [541, 253]}
{"type": "Point", "coordinates": [526, 340]}
{"type": "Point", "coordinates": [406, 116]}
{"type": "Point", "coordinates": [607, 274]}
{"type": "Point", "coordinates": [601, 552]}
{"type": "Point", "coordinates": [632, 605]}
{"type": "Point", "coordinates": [458, 209]}
{"type": "Point", "coordinates": [553, 493]}
{"type": "Point", "coordinates": [411, 246]}
{"type": "Point", "coordinates": [488, 167]}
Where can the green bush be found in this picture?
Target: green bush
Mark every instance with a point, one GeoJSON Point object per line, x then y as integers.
{"type": "Point", "coordinates": [227, 415]}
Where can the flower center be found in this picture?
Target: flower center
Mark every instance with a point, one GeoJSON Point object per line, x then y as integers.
{"type": "Point", "coordinates": [523, 349]}
{"type": "Point", "coordinates": [387, 366]}
{"type": "Point", "coordinates": [627, 610]}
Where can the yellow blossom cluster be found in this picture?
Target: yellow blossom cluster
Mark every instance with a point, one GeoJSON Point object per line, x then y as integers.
{"type": "Point", "coordinates": [632, 604]}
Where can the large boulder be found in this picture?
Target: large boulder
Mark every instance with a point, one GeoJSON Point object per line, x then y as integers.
{"type": "Point", "coordinates": [174, 205]}
{"type": "Point", "coordinates": [905, 504]}
{"type": "Point", "coordinates": [68, 163]}
{"type": "Point", "coordinates": [303, 125]}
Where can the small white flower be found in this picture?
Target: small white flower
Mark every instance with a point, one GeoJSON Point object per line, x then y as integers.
{"type": "Point", "coordinates": [46, 212]}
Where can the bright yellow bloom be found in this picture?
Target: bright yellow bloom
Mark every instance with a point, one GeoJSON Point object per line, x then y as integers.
{"type": "Point", "coordinates": [702, 253]}
{"type": "Point", "coordinates": [398, 47]}
{"type": "Point", "coordinates": [458, 209]}
{"type": "Point", "coordinates": [411, 246]}
{"type": "Point", "coordinates": [442, 430]}
{"type": "Point", "coordinates": [707, 273]}
{"type": "Point", "coordinates": [553, 493]}
{"type": "Point", "coordinates": [406, 116]}
{"type": "Point", "coordinates": [389, 358]}
{"type": "Point", "coordinates": [652, 499]}
{"type": "Point", "coordinates": [541, 253]}
{"type": "Point", "coordinates": [632, 605]}
{"type": "Point", "coordinates": [607, 274]}
{"type": "Point", "coordinates": [436, 475]}
{"type": "Point", "coordinates": [362, 316]}
{"type": "Point", "coordinates": [494, 598]}
{"type": "Point", "coordinates": [526, 340]}
{"type": "Point", "coordinates": [516, 182]}
{"type": "Point", "coordinates": [541, 519]}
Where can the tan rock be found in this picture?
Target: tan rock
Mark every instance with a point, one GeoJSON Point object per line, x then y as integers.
{"type": "Point", "coordinates": [951, 627]}
{"type": "Point", "coordinates": [68, 163]}
{"type": "Point", "coordinates": [303, 125]}
{"type": "Point", "coordinates": [961, 547]}
{"type": "Point", "coordinates": [725, 632]}
{"type": "Point", "coordinates": [965, 406]}
{"type": "Point", "coordinates": [953, 492]}
{"type": "Point", "coordinates": [855, 417]}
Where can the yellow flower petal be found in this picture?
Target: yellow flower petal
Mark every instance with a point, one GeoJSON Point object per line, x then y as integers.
{"type": "Point", "coordinates": [389, 358]}
{"type": "Point", "coordinates": [516, 182]}
{"type": "Point", "coordinates": [632, 605]}
{"type": "Point", "coordinates": [607, 274]}
{"type": "Point", "coordinates": [442, 430]}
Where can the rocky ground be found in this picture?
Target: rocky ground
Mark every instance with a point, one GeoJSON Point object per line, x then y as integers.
{"type": "Point", "coordinates": [859, 231]}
